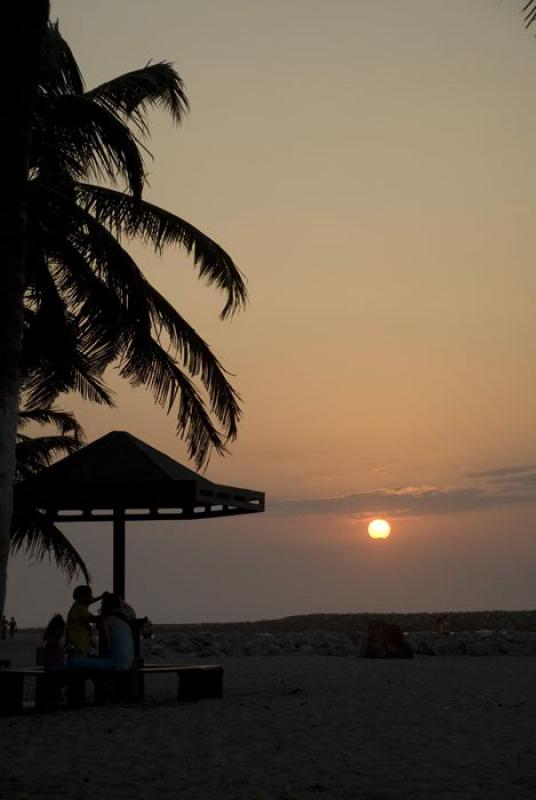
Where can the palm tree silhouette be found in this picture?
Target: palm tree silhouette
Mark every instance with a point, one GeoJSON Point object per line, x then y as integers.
{"type": "Point", "coordinates": [85, 294]}
{"type": "Point", "coordinates": [32, 533]}
{"type": "Point", "coordinates": [26, 23]}
{"type": "Point", "coordinates": [69, 285]}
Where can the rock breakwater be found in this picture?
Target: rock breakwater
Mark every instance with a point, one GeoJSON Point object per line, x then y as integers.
{"type": "Point", "coordinates": [215, 644]}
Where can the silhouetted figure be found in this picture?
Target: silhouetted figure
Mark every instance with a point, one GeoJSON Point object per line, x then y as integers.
{"type": "Point", "coordinates": [147, 628]}
{"type": "Point", "coordinates": [54, 655]}
{"type": "Point", "coordinates": [49, 687]}
{"type": "Point", "coordinates": [117, 645]}
{"type": "Point", "coordinates": [12, 627]}
{"type": "Point", "coordinates": [79, 631]}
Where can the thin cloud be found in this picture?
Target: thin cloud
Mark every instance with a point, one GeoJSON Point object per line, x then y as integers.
{"type": "Point", "coordinates": [407, 501]}
{"type": "Point", "coordinates": [505, 472]}
{"type": "Point", "coordinates": [520, 481]}
{"type": "Point", "coordinates": [521, 478]}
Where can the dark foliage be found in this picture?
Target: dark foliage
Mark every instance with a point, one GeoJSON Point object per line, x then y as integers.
{"type": "Point", "coordinates": [529, 10]}
{"type": "Point", "coordinates": [32, 533]}
{"type": "Point", "coordinates": [88, 304]}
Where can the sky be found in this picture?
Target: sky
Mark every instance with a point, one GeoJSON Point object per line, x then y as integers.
{"type": "Point", "coordinates": [369, 166]}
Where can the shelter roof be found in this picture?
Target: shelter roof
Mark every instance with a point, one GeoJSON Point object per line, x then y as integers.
{"type": "Point", "coordinates": [120, 471]}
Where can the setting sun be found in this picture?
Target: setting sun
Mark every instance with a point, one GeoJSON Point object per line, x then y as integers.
{"type": "Point", "coordinates": [379, 529]}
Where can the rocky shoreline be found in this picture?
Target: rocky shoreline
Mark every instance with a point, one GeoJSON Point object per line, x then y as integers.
{"type": "Point", "coordinates": [458, 621]}
{"type": "Point", "coordinates": [471, 633]}
{"type": "Point", "coordinates": [218, 644]}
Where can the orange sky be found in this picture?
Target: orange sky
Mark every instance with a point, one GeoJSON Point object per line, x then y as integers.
{"type": "Point", "coordinates": [370, 168]}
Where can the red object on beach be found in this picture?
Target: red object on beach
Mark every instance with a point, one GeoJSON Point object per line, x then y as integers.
{"type": "Point", "coordinates": [386, 640]}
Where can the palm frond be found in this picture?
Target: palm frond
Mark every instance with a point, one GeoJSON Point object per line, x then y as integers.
{"type": "Point", "coordinates": [90, 388]}
{"type": "Point", "coordinates": [529, 10]}
{"type": "Point", "coordinates": [88, 138]}
{"type": "Point", "coordinates": [159, 228]}
{"type": "Point", "coordinates": [132, 94]}
{"type": "Point", "coordinates": [108, 259]}
{"type": "Point", "coordinates": [143, 313]}
{"type": "Point", "coordinates": [32, 532]}
{"type": "Point", "coordinates": [59, 72]}
{"type": "Point", "coordinates": [54, 334]}
{"type": "Point", "coordinates": [64, 421]}
{"type": "Point", "coordinates": [76, 377]}
{"type": "Point", "coordinates": [199, 360]}
{"type": "Point", "coordinates": [36, 536]}
{"type": "Point", "coordinates": [35, 453]}
{"type": "Point", "coordinates": [58, 355]}
{"type": "Point", "coordinates": [99, 314]}
{"type": "Point", "coordinates": [149, 365]}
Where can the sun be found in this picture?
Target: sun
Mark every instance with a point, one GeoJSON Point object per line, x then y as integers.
{"type": "Point", "coordinates": [379, 529]}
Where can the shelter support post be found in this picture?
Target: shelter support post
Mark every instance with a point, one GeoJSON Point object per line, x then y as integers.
{"type": "Point", "coordinates": [119, 552]}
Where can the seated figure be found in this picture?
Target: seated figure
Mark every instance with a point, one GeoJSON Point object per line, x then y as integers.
{"type": "Point", "coordinates": [117, 650]}
{"type": "Point", "coordinates": [54, 655]}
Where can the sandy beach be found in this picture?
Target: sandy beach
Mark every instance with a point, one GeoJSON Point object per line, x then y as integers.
{"type": "Point", "coordinates": [290, 726]}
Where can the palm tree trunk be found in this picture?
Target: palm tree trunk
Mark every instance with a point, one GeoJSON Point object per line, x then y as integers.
{"type": "Point", "coordinates": [24, 24]}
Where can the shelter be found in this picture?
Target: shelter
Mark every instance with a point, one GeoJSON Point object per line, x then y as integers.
{"type": "Point", "coordinates": [119, 478]}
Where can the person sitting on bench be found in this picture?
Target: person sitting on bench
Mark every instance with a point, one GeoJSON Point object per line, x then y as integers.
{"type": "Point", "coordinates": [54, 655]}
{"type": "Point", "coordinates": [79, 632]}
{"type": "Point", "coordinates": [118, 642]}
{"type": "Point", "coordinates": [54, 664]}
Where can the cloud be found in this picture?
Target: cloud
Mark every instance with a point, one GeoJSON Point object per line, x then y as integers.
{"type": "Point", "coordinates": [505, 472]}
{"type": "Point", "coordinates": [519, 477]}
{"type": "Point", "coordinates": [408, 501]}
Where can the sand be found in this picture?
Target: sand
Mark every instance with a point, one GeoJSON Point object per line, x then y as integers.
{"type": "Point", "coordinates": [291, 726]}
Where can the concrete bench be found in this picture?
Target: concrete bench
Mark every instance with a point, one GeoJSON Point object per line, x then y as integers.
{"type": "Point", "coordinates": [194, 683]}
{"type": "Point", "coordinates": [197, 682]}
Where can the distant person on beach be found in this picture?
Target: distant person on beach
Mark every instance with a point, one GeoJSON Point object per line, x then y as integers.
{"type": "Point", "coordinates": [147, 628]}
{"type": "Point", "coordinates": [443, 626]}
{"type": "Point", "coordinates": [54, 655]}
{"type": "Point", "coordinates": [146, 634]}
{"type": "Point", "coordinates": [79, 631]}
{"type": "Point", "coordinates": [4, 625]}
{"type": "Point", "coordinates": [12, 627]}
{"type": "Point", "coordinates": [117, 640]}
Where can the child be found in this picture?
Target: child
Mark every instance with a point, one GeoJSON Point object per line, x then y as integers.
{"type": "Point", "coordinates": [79, 633]}
{"type": "Point", "coordinates": [54, 656]}
{"type": "Point", "coordinates": [48, 691]}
